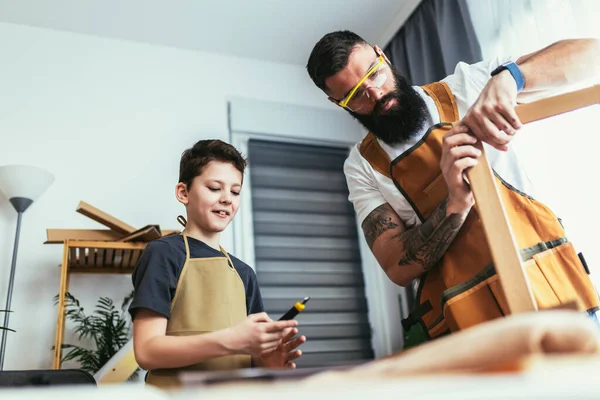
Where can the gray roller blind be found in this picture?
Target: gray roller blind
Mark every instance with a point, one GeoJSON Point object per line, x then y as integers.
{"type": "Point", "coordinates": [306, 244]}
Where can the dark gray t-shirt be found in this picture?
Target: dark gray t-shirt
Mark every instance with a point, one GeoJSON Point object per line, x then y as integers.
{"type": "Point", "coordinates": [157, 272]}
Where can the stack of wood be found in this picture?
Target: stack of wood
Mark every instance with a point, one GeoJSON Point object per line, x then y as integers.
{"type": "Point", "coordinates": [99, 250]}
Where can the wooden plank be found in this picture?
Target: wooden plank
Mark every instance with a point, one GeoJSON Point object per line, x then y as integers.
{"type": "Point", "coordinates": [55, 236]}
{"type": "Point", "coordinates": [145, 234]}
{"type": "Point", "coordinates": [135, 256]}
{"type": "Point", "coordinates": [104, 218]}
{"type": "Point", "coordinates": [118, 258]}
{"type": "Point", "coordinates": [60, 322]}
{"type": "Point", "coordinates": [119, 368]}
{"type": "Point", "coordinates": [560, 104]}
{"type": "Point", "coordinates": [503, 247]}
{"type": "Point", "coordinates": [100, 257]}
{"type": "Point", "coordinates": [100, 270]}
{"type": "Point", "coordinates": [126, 258]}
{"type": "Point", "coordinates": [108, 245]}
{"type": "Point", "coordinates": [82, 259]}
{"type": "Point", "coordinates": [73, 255]}
{"type": "Point", "coordinates": [108, 257]}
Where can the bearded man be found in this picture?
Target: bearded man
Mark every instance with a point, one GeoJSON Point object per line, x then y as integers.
{"type": "Point", "coordinates": [406, 177]}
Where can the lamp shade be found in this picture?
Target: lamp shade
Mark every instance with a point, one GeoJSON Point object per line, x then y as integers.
{"type": "Point", "coordinates": [24, 181]}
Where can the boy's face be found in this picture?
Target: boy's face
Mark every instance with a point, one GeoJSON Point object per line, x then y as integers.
{"type": "Point", "coordinates": [213, 197]}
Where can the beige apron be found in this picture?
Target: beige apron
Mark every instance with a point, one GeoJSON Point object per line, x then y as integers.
{"type": "Point", "coordinates": [210, 296]}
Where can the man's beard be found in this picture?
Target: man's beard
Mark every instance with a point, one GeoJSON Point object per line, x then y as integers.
{"type": "Point", "coordinates": [403, 120]}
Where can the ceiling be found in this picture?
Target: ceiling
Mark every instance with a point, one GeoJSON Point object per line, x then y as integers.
{"type": "Point", "coordinates": [281, 31]}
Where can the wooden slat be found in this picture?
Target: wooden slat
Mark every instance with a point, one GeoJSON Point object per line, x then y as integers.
{"type": "Point", "coordinates": [104, 218]}
{"type": "Point", "coordinates": [503, 245]}
{"type": "Point", "coordinates": [118, 258]}
{"type": "Point", "coordinates": [135, 256]}
{"type": "Point", "coordinates": [107, 245]}
{"type": "Point", "coordinates": [100, 270]}
{"type": "Point", "coordinates": [55, 236]}
{"type": "Point", "coordinates": [60, 323]}
{"type": "Point", "coordinates": [505, 252]}
{"type": "Point", "coordinates": [100, 257]}
{"type": "Point", "coordinates": [108, 257]}
{"type": "Point", "coordinates": [144, 234]}
{"type": "Point", "coordinates": [72, 255]}
{"type": "Point", "coordinates": [81, 255]}
{"type": "Point", "coordinates": [126, 259]}
{"type": "Point", "coordinates": [560, 104]}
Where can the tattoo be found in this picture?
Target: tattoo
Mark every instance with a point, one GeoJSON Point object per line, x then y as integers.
{"type": "Point", "coordinates": [426, 244]}
{"type": "Point", "coordinates": [377, 222]}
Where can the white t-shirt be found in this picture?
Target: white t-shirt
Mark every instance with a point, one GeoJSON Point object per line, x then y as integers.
{"type": "Point", "coordinates": [369, 189]}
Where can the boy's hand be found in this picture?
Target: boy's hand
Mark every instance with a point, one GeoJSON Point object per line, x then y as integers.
{"type": "Point", "coordinates": [285, 353]}
{"type": "Point", "coordinates": [256, 335]}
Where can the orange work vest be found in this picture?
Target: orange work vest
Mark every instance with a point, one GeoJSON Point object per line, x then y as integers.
{"type": "Point", "coordinates": [463, 289]}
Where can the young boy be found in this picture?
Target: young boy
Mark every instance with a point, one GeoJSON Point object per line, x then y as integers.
{"type": "Point", "coordinates": [195, 306]}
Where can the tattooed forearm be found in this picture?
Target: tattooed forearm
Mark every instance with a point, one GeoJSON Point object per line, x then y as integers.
{"type": "Point", "coordinates": [426, 244]}
{"type": "Point", "coordinates": [378, 221]}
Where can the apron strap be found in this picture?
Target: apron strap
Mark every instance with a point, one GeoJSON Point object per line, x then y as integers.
{"type": "Point", "coordinates": [187, 247]}
{"type": "Point", "coordinates": [227, 257]}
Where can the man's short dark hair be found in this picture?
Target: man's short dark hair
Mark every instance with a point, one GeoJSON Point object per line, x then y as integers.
{"type": "Point", "coordinates": [194, 159]}
{"type": "Point", "coordinates": [330, 55]}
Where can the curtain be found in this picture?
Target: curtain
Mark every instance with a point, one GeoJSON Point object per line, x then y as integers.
{"type": "Point", "coordinates": [433, 40]}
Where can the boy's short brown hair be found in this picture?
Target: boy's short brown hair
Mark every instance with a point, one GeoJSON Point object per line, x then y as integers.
{"type": "Point", "coordinates": [194, 159]}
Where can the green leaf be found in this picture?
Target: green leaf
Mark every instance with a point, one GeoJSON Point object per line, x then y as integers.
{"type": "Point", "coordinates": [107, 327]}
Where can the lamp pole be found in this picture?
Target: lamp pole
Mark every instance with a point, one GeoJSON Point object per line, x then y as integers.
{"type": "Point", "coordinates": [21, 184]}
{"type": "Point", "coordinates": [20, 204]}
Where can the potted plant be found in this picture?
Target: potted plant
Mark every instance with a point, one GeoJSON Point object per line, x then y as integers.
{"type": "Point", "coordinates": [107, 327]}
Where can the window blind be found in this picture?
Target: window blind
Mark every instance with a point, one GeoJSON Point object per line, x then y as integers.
{"type": "Point", "coordinates": [306, 244]}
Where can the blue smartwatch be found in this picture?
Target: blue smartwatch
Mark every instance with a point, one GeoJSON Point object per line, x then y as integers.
{"type": "Point", "coordinates": [515, 71]}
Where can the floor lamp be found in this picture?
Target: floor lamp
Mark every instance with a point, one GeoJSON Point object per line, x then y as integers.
{"type": "Point", "coordinates": [21, 184]}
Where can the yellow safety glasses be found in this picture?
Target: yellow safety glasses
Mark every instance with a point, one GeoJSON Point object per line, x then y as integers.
{"type": "Point", "coordinates": [377, 82]}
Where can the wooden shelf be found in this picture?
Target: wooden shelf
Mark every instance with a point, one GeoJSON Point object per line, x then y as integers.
{"type": "Point", "coordinates": [116, 250]}
{"type": "Point", "coordinates": [103, 257]}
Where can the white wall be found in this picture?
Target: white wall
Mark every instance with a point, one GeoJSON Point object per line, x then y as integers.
{"type": "Point", "coordinates": [110, 119]}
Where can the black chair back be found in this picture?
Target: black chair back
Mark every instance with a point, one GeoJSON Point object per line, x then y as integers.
{"type": "Point", "coordinates": [45, 377]}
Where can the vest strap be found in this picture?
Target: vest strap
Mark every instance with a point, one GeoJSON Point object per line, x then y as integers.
{"type": "Point", "coordinates": [445, 102]}
{"type": "Point", "coordinates": [372, 151]}
{"type": "Point", "coordinates": [416, 314]}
